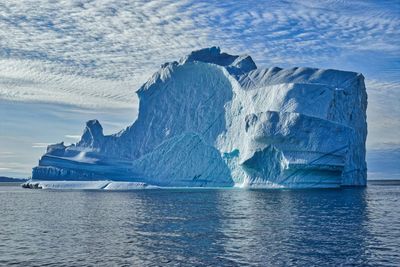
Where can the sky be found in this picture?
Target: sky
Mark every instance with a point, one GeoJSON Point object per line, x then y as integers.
{"type": "Point", "coordinates": [65, 62]}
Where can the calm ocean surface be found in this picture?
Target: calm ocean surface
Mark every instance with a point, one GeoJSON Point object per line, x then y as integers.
{"type": "Point", "coordinates": [356, 227]}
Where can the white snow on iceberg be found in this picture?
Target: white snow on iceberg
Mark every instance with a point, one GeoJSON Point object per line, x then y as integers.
{"type": "Point", "coordinates": [216, 120]}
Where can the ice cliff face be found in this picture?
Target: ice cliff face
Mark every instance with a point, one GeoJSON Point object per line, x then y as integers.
{"type": "Point", "coordinates": [213, 119]}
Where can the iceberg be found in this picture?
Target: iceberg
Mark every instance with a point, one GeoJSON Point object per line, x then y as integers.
{"type": "Point", "coordinates": [216, 120]}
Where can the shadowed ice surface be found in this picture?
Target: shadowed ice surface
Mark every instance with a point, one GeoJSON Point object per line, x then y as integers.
{"type": "Point", "coordinates": [200, 227]}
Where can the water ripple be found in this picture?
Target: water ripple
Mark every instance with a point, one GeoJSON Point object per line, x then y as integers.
{"type": "Point", "coordinates": [358, 227]}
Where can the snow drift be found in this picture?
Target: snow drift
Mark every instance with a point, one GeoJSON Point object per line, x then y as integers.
{"type": "Point", "coordinates": [216, 120]}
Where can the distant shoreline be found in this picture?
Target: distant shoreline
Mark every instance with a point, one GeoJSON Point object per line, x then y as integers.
{"type": "Point", "coordinates": [11, 183]}
{"type": "Point", "coordinates": [383, 182]}
{"type": "Point", "coordinates": [5, 179]}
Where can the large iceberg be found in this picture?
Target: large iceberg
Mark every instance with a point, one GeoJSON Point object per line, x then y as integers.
{"type": "Point", "coordinates": [216, 120]}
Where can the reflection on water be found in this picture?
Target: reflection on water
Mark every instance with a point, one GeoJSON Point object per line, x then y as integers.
{"type": "Point", "coordinates": [295, 227]}
{"type": "Point", "coordinates": [201, 227]}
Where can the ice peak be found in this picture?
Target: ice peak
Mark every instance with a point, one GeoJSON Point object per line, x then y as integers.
{"type": "Point", "coordinates": [94, 124]}
{"type": "Point", "coordinates": [236, 64]}
{"type": "Point", "coordinates": [92, 135]}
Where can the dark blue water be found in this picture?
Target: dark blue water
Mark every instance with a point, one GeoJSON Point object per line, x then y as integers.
{"type": "Point", "coordinates": [200, 227]}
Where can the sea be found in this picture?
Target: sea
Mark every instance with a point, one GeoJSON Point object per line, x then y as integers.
{"type": "Point", "coordinates": [207, 227]}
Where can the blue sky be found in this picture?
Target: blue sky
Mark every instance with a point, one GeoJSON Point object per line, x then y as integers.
{"type": "Point", "coordinates": [65, 62]}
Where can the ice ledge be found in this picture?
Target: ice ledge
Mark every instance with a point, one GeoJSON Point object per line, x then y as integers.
{"type": "Point", "coordinates": [235, 64]}
{"type": "Point", "coordinates": [124, 186]}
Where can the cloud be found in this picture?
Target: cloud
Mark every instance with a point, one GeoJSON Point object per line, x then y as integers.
{"type": "Point", "coordinates": [70, 136]}
{"type": "Point", "coordinates": [383, 113]}
{"type": "Point", "coordinates": [7, 154]}
{"type": "Point", "coordinates": [383, 161]}
{"type": "Point", "coordinates": [23, 80]}
{"type": "Point", "coordinates": [15, 169]}
{"type": "Point", "coordinates": [40, 145]}
{"type": "Point", "coordinates": [96, 54]}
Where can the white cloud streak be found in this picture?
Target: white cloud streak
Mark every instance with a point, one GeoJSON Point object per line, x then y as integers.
{"type": "Point", "coordinates": [40, 145]}
{"type": "Point", "coordinates": [70, 136]}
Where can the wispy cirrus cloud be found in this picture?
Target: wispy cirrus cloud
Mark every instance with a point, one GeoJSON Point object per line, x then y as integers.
{"type": "Point", "coordinates": [101, 51]}
{"type": "Point", "coordinates": [23, 80]}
